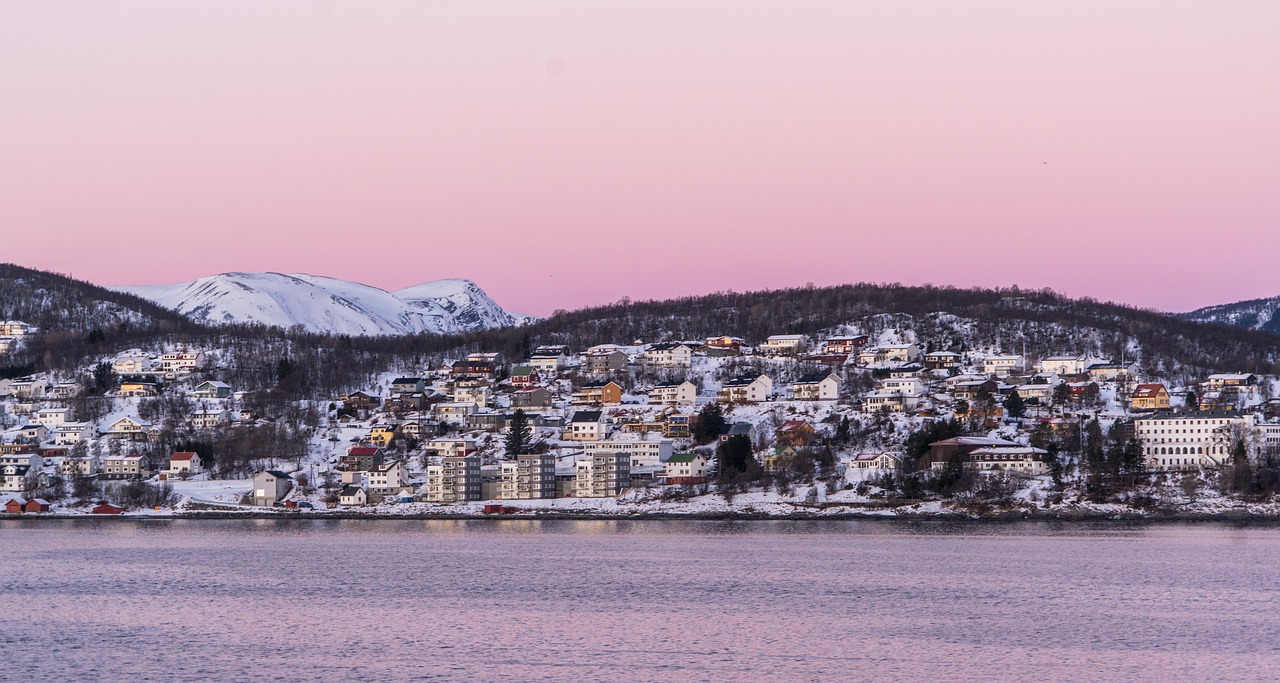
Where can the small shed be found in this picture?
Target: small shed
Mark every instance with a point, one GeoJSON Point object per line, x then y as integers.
{"type": "Point", "coordinates": [37, 505]}
{"type": "Point", "coordinates": [108, 509]}
{"type": "Point", "coordinates": [15, 505]}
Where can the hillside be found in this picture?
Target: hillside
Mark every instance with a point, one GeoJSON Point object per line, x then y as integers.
{"type": "Point", "coordinates": [1255, 314]}
{"type": "Point", "coordinates": [1041, 321]}
{"type": "Point", "coordinates": [324, 305]}
{"type": "Point", "coordinates": [75, 317]}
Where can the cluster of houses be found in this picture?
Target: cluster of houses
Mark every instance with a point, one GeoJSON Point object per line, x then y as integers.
{"type": "Point", "coordinates": [12, 333]}
{"type": "Point", "coordinates": [613, 417]}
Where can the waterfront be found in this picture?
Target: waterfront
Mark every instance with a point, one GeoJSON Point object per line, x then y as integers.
{"type": "Point", "coordinates": [638, 600]}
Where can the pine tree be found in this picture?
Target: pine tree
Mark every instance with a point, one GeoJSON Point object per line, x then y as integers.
{"type": "Point", "coordinates": [710, 423]}
{"type": "Point", "coordinates": [734, 457]}
{"type": "Point", "coordinates": [842, 431]}
{"type": "Point", "coordinates": [519, 435]}
{"type": "Point", "coordinates": [1241, 471]}
{"type": "Point", "coordinates": [1014, 406]}
{"type": "Point", "coordinates": [1053, 461]}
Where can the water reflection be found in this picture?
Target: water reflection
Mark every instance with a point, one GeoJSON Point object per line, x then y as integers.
{"type": "Point", "coordinates": [522, 599]}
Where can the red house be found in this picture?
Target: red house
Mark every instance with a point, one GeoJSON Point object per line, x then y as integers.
{"type": "Point", "coordinates": [15, 506]}
{"type": "Point", "coordinates": [37, 505]}
{"type": "Point", "coordinates": [108, 509]}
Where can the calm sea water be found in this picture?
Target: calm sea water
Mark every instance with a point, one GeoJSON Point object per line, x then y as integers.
{"type": "Point", "coordinates": [636, 601]}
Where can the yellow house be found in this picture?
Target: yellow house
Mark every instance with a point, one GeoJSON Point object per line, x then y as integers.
{"type": "Point", "coordinates": [1149, 397]}
{"type": "Point", "coordinates": [137, 389]}
{"type": "Point", "coordinates": [381, 435]}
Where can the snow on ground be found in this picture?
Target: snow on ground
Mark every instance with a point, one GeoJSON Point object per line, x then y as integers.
{"type": "Point", "coordinates": [218, 491]}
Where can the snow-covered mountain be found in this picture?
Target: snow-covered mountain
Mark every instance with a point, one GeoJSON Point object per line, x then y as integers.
{"type": "Point", "coordinates": [328, 305]}
{"type": "Point", "coordinates": [1255, 314]}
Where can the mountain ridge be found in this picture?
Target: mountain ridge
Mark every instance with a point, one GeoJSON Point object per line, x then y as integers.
{"type": "Point", "coordinates": [1250, 314]}
{"type": "Point", "coordinates": [327, 305]}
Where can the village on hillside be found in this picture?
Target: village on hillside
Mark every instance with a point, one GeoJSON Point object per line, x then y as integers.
{"type": "Point", "coordinates": [872, 421]}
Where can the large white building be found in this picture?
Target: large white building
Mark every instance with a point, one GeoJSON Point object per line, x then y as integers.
{"type": "Point", "coordinates": [643, 452]}
{"type": "Point", "coordinates": [1174, 441]}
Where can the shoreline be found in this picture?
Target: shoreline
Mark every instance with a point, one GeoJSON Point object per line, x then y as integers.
{"type": "Point", "coordinates": [1007, 517]}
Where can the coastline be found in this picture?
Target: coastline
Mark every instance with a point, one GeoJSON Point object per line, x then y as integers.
{"type": "Point", "coordinates": [1002, 517]}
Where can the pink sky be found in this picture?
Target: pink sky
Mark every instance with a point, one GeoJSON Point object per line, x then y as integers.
{"type": "Point", "coordinates": [563, 154]}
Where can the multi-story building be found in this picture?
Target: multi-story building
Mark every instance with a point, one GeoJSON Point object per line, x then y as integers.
{"type": "Point", "coordinates": [455, 480]}
{"type": "Point", "coordinates": [530, 476]}
{"type": "Point", "coordinates": [642, 452]}
{"type": "Point", "coordinates": [602, 475]}
{"type": "Point", "coordinates": [1174, 441]}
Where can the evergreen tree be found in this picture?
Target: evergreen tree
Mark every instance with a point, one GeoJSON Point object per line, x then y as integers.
{"type": "Point", "coordinates": [710, 423]}
{"type": "Point", "coordinates": [842, 432]}
{"type": "Point", "coordinates": [519, 435]}
{"type": "Point", "coordinates": [1061, 394]}
{"type": "Point", "coordinates": [1095, 460]}
{"type": "Point", "coordinates": [1014, 406]}
{"type": "Point", "coordinates": [734, 457]}
{"type": "Point", "coordinates": [1241, 471]}
{"type": "Point", "coordinates": [1053, 461]}
{"type": "Point", "coordinates": [104, 378]}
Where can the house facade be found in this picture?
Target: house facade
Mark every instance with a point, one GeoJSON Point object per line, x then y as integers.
{"type": "Point", "coordinates": [748, 389]}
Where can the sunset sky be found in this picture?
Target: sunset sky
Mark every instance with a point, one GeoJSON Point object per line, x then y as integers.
{"type": "Point", "coordinates": [563, 154]}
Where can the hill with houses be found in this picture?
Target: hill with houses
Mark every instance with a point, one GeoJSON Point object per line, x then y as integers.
{"type": "Point", "coordinates": [872, 399]}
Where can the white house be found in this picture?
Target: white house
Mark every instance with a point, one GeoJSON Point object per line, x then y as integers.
{"type": "Point", "coordinates": [182, 362]}
{"type": "Point", "coordinates": [686, 468]}
{"type": "Point", "coordinates": [1001, 366]}
{"type": "Point", "coordinates": [353, 496]}
{"type": "Point", "coordinates": [71, 433]}
{"type": "Point", "coordinates": [669, 355]}
{"type": "Point", "coordinates": [131, 365]}
{"type": "Point", "coordinates": [51, 417]}
{"type": "Point", "coordinates": [747, 389]}
{"type": "Point", "coordinates": [818, 387]}
{"type": "Point", "coordinates": [585, 425]}
{"type": "Point", "coordinates": [866, 465]}
{"type": "Point", "coordinates": [130, 428]}
{"type": "Point", "coordinates": [184, 464]}
{"type": "Point", "coordinates": [86, 466]}
{"type": "Point", "coordinates": [209, 418]}
{"type": "Point", "coordinates": [906, 386]}
{"type": "Point", "coordinates": [1063, 365]}
{"type": "Point", "coordinates": [673, 393]}
{"type": "Point", "coordinates": [388, 477]}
